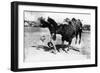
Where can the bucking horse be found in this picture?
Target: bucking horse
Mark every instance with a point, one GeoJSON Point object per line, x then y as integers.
{"type": "Point", "coordinates": [67, 31]}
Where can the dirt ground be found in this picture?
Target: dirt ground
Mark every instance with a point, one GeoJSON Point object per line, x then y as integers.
{"type": "Point", "coordinates": [32, 54]}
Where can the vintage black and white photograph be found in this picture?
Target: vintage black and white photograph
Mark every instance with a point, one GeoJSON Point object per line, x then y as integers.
{"type": "Point", "coordinates": [52, 36]}
{"type": "Point", "coordinates": [56, 36]}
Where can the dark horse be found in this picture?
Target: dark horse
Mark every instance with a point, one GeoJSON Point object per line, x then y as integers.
{"type": "Point", "coordinates": [78, 28]}
{"type": "Point", "coordinates": [70, 30]}
{"type": "Point", "coordinates": [52, 29]}
{"type": "Point", "coordinates": [50, 26]}
{"type": "Point", "coordinates": [67, 33]}
{"type": "Point", "coordinates": [56, 27]}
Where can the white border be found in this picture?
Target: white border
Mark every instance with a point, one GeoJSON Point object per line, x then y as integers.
{"type": "Point", "coordinates": [22, 64]}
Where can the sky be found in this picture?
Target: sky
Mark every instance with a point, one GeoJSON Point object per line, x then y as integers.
{"type": "Point", "coordinates": [57, 16]}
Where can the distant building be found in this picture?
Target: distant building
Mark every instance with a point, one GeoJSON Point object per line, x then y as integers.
{"type": "Point", "coordinates": [86, 27]}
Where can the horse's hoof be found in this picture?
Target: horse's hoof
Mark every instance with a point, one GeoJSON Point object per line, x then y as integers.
{"type": "Point", "coordinates": [53, 52]}
{"type": "Point", "coordinates": [67, 49]}
{"type": "Point", "coordinates": [79, 42]}
{"type": "Point", "coordinates": [75, 42]}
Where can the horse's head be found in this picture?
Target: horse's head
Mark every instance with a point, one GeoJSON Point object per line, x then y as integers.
{"type": "Point", "coordinates": [52, 28]}
{"type": "Point", "coordinates": [47, 24]}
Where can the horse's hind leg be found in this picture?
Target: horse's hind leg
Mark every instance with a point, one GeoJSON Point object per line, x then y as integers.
{"type": "Point", "coordinates": [63, 45]}
{"type": "Point", "coordinates": [76, 38]}
{"type": "Point", "coordinates": [80, 37]}
{"type": "Point", "coordinates": [63, 48]}
{"type": "Point", "coordinates": [69, 45]}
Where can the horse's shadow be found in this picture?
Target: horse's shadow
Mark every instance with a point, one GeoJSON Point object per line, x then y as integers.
{"type": "Point", "coordinates": [59, 47]}
{"type": "Point", "coordinates": [66, 48]}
